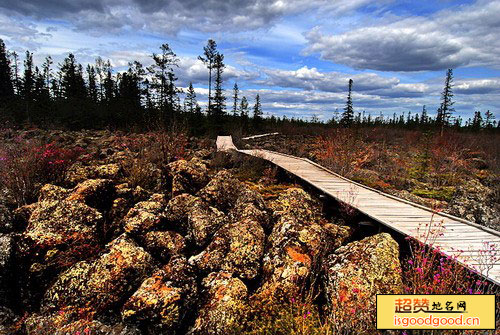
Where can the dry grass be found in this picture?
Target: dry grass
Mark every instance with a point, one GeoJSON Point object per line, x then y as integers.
{"type": "Point", "coordinates": [148, 155]}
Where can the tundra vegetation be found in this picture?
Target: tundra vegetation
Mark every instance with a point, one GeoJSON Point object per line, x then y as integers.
{"type": "Point", "coordinates": [117, 216]}
{"type": "Point", "coordinates": [155, 233]}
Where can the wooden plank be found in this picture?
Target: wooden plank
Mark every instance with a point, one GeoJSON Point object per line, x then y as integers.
{"type": "Point", "coordinates": [461, 238]}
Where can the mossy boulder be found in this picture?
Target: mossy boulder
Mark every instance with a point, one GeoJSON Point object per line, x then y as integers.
{"type": "Point", "coordinates": [163, 244]}
{"type": "Point", "coordinates": [298, 241]}
{"type": "Point", "coordinates": [101, 283]}
{"type": "Point", "coordinates": [222, 191]}
{"type": "Point", "coordinates": [358, 271]}
{"type": "Point", "coordinates": [188, 176]}
{"type": "Point", "coordinates": [162, 301]}
{"type": "Point", "coordinates": [74, 321]}
{"type": "Point", "coordinates": [145, 215]}
{"type": "Point", "coordinates": [60, 233]}
{"type": "Point", "coordinates": [203, 222]}
{"type": "Point", "coordinates": [155, 302]}
{"type": "Point", "coordinates": [236, 248]}
{"type": "Point", "coordinates": [78, 172]}
{"type": "Point", "coordinates": [176, 212]}
{"type": "Point", "coordinates": [226, 305]}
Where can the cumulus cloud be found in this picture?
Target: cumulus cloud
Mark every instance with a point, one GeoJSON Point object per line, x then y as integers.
{"type": "Point", "coordinates": [312, 79]}
{"type": "Point", "coordinates": [20, 31]}
{"type": "Point", "coordinates": [193, 70]}
{"type": "Point", "coordinates": [172, 15]}
{"type": "Point", "coordinates": [478, 86]}
{"type": "Point", "coordinates": [467, 36]}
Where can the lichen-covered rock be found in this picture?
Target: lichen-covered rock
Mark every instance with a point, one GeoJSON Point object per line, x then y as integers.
{"type": "Point", "coordinates": [162, 301]}
{"type": "Point", "coordinates": [163, 244]}
{"type": "Point", "coordinates": [249, 211]}
{"type": "Point", "coordinates": [101, 283]}
{"type": "Point", "coordinates": [8, 321]}
{"type": "Point", "coordinates": [119, 208]}
{"type": "Point", "coordinates": [477, 203]}
{"type": "Point", "coordinates": [203, 222]}
{"type": "Point", "coordinates": [69, 321]}
{"type": "Point", "coordinates": [226, 307]}
{"type": "Point", "coordinates": [250, 205]}
{"type": "Point", "coordinates": [78, 172]}
{"type": "Point", "coordinates": [107, 171]}
{"type": "Point", "coordinates": [191, 216]}
{"type": "Point", "coordinates": [177, 211]}
{"type": "Point", "coordinates": [144, 216]}
{"type": "Point", "coordinates": [295, 202]}
{"type": "Point", "coordinates": [358, 271]}
{"type": "Point", "coordinates": [6, 220]}
{"type": "Point", "coordinates": [203, 154]}
{"type": "Point", "coordinates": [21, 216]}
{"type": "Point", "coordinates": [60, 233]}
{"type": "Point", "coordinates": [6, 262]}
{"type": "Point", "coordinates": [298, 241]}
{"type": "Point", "coordinates": [154, 302]}
{"type": "Point", "coordinates": [188, 176]}
{"type": "Point", "coordinates": [51, 192]}
{"type": "Point", "coordinates": [222, 191]}
{"type": "Point", "coordinates": [132, 195]}
{"type": "Point", "coordinates": [236, 248]}
{"type": "Point", "coordinates": [96, 193]}
{"type": "Point", "coordinates": [6, 252]}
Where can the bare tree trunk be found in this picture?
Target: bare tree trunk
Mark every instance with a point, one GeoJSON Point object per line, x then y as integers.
{"type": "Point", "coordinates": [209, 88]}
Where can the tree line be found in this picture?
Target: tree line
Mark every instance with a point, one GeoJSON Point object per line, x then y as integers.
{"type": "Point", "coordinates": [96, 96]}
{"type": "Point", "coordinates": [444, 117]}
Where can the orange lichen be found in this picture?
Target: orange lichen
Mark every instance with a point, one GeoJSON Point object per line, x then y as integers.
{"type": "Point", "coordinates": [298, 256]}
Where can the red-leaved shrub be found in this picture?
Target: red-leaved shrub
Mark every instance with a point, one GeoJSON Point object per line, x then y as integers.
{"type": "Point", "coordinates": [26, 165]}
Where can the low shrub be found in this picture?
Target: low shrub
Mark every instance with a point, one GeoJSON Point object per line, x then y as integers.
{"type": "Point", "coordinates": [442, 193]}
{"type": "Point", "coordinates": [300, 316]}
{"type": "Point", "coordinates": [148, 155]}
{"type": "Point", "coordinates": [26, 165]}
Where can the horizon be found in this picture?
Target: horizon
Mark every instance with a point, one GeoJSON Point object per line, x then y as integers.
{"type": "Point", "coordinates": [298, 55]}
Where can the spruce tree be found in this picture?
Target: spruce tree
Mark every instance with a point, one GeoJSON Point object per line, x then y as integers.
{"type": "Point", "coordinates": [163, 81]}
{"type": "Point", "coordinates": [446, 108]}
{"type": "Point", "coordinates": [72, 82]}
{"type": "Point", "coordinates": [490, 119]}
{"type": "Point", "coordinates": [235, 99]}
{"type": "Point", "coordinates": [109, 85]}
{"type": "Point", "coordinates": [40, 95]}
{"type": "Point", "coordinates": [6, 86]}
{"type": "Point", "coordinates": [219, 106]}
{"type": "Point", "coordinates": [28, 78]}
{"type": "Point", "coordinates": [210, 53]}
{"type": "Point", "coordinates": [424, 119]}
{"type": "Point", "coordinates": [190, 102]}
{"type": "Point", "coordinates": [244, 108]}
{"type": "Point", "coordinates": [257, 112]}
{"type": "Point", "coordinates": [47, 72]}
{"type": "Point", "coordinates": [477, 122]}
{"type": "Point", "coordinates": [92, 84]}
{"type": "Point", "coordinates": [101, 71]}
{"type": "Point", "coordinates": [15, 67]}
{"type": "Point", "coordinates": [348, 114]}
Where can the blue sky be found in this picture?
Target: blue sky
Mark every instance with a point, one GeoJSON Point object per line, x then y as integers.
{"type": "Point", "coordinates": [297, 54]}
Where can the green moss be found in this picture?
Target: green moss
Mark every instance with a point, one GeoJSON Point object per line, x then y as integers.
{"type": "Point", "coordinates": [443, 193]}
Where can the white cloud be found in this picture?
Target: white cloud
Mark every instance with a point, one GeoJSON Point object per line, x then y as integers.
{"type": "Point", "coordinates": [449, 39]}
{"type": "Point", "coordinates": [312, 79]}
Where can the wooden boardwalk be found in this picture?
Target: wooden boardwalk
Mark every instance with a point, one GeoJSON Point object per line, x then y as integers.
{"type": "Point", "coordinates": [472, 245]}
